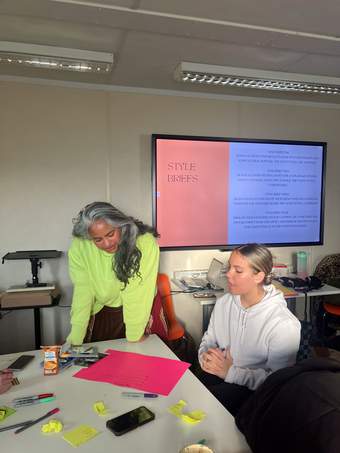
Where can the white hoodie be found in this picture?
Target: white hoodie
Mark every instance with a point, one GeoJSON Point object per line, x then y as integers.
{"type": "Point", "coordinates": [262, 338]}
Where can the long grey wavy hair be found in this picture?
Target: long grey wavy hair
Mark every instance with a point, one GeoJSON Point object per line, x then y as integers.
{"type": "Point", "coordinates": [127, 256]}
{"type": "Point", "coordinates": [260, 259]}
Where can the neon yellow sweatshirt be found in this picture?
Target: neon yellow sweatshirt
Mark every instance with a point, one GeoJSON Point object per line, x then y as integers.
{"type": "Point", "coordinates": [96, 284]}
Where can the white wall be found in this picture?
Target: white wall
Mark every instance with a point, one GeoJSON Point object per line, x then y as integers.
{"type": "Point", "coordinates": [61, 148]}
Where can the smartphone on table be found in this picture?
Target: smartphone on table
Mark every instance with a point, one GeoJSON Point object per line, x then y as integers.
{"type": "Point", "coordinates": [20, 363]}
{"type": "Point", "coordinates": [130, 420]}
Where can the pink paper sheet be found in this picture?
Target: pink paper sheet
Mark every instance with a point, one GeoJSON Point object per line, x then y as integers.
{"type": "Point", "coordinates": [128, 369]}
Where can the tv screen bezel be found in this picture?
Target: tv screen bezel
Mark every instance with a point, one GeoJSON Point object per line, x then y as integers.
{"type": "Point", "coordinates": [228, 247]}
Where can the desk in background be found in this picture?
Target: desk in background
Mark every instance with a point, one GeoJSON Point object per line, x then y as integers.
{"type": "Point", "coordinates": [75, 397]}
{"type": "Point", "coordinates": [35, 300]}
{"type": "Point", "coordinates": [208, 303]}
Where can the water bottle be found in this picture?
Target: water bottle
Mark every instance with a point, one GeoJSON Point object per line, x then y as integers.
{"type": "Point", "coordinates": [301, 264]}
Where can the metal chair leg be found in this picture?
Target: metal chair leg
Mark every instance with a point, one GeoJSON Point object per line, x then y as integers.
{"type": "Point", "coordinates": [323, 327]}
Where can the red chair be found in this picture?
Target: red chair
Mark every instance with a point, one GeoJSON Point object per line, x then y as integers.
{"type": "Point", "coordinates": [328, 271]}
{"type": "Point", "coordinates": [175, 328]}
{"type": "Point", "coordinates": [330, 312]}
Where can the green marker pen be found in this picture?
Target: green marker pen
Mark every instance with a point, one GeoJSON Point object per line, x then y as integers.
{"type": "Point", "coordinates": [37, 401]}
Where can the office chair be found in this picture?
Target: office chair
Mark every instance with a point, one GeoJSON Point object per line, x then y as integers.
{"type": "Point", "coordinates": [328, 271]}
{"type": "Point", "coordinates": [175, 328]}
{"type": "Point", "coordinates": [178, 339]}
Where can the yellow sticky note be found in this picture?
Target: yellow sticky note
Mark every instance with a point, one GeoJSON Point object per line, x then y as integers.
{"type": "Point", "coordinates": [5, 412]}
{"type": "Point", "coordinates": [53, 426]}
{"type": "Point", "coordinates": [192, 418]}
{"type": "Point", "coordinates": [80, 435]}
{"type": "Point", "coordinates": [100, 408]}
{"type": "Point", "coordinates": [177, 409]}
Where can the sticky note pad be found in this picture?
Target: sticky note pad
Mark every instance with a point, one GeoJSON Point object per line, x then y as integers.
{"type": "Point", "coordinates": [80, 435]}
{"type": "Point", "coordinates": [5, 412]}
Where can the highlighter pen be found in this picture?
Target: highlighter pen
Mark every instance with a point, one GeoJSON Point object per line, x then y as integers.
{"type": "Point", "coordinates": [30, 403]}
{"type": "Point", "coordinates": [33, 397]}
{"type": "Point", "coordinates": [139, 395]}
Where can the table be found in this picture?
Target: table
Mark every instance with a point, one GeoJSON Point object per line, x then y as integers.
{"type": "Point", "coordinates": [208, 303]}
{"type": "Point", "coordinates": [75, 397]}
{"type": "Point", "coordinates": [48, 299]}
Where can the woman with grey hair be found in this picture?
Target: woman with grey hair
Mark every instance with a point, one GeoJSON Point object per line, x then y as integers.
{"type": "Point", "coordinates": [251, 331]}
{"type": "Point", "coordinates": [113, 264]}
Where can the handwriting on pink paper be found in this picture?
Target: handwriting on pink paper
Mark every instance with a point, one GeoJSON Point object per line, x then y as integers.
{"type": "Point", "coordinates": [142, 372]}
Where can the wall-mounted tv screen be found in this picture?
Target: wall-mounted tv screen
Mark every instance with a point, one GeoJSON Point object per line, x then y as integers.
{"type": "Point", "coordinates": [213, 192]}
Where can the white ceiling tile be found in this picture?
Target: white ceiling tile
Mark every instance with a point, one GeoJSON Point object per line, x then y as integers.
{"type": "Point", "coordinates": [64, 34]}
{"type": "Point", "coordinates": [304, 15]}
{"type": "Point", "coordinates": [145, 59]}
{"type": "Point", "coordinates": [149, 46]}
{"type": "Point", "coordinates": [316, 64]}
{"type": "Point", "coordinates": [306, 45]}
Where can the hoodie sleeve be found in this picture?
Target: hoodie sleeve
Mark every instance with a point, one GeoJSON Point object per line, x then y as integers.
{"type": "Point", "coordinates": [83, 297]}
{"type": "Point", "coordinates": [283, 345]}
{"type": "Point", "coordinates": [209, 339]}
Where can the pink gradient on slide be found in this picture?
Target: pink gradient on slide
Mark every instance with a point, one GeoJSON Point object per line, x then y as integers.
{"type": "Point", "coordinates": [138, 371]}
{"type": "Point", "coordinates": [192, 192]}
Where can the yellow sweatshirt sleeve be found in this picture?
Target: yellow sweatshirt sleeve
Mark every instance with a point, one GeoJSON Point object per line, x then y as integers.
{"type": "Point", "coordinates": [83, 297]}
{"type": "Point", "coordinates": [140, 291]}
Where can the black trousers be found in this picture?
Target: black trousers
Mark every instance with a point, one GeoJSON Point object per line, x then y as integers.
{"type": "Point", "coordinates": [232, 396]}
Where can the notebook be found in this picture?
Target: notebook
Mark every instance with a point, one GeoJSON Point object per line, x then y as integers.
{"type": "Point", "coordinates": [210, 282]}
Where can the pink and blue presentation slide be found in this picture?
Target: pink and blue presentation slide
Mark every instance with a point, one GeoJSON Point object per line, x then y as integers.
{"type": "Point", "coordinates": [217, 193]}
{"type": "Point", "coordinates": [275, 194]}
{"type": "Point", "coordinates": [192, 192]}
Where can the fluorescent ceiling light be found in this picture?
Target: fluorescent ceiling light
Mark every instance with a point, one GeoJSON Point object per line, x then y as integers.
{"type": "Point", "coordinates": [214, 75]}
{"type": "Point", "coordinates": [57, 58]}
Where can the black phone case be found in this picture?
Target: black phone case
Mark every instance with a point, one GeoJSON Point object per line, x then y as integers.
{"type": "Point", "coordinates": [20, 362]}
{"type": "Point", "coordinates": [110, 423]}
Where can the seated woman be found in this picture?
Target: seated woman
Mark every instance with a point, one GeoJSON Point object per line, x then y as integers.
{"type": "Point", "coordinates": [113, 264]}
{"type": "Point", "coordinates": [6, 377]}
{"type": "Point", "coordinates": [251, 331]}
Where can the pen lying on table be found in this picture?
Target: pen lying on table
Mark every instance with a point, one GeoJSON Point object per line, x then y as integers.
{"type": "Point", "coordinates": [37, 420]}
{"type": "Point", "coordinates": [31, 402]}
{"type": "Point", "coordinates": [139, 395]}
{"type": "Point", "coordinates": [32, 398]}
{"type": "Point", "coordinates": [17, 425]}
